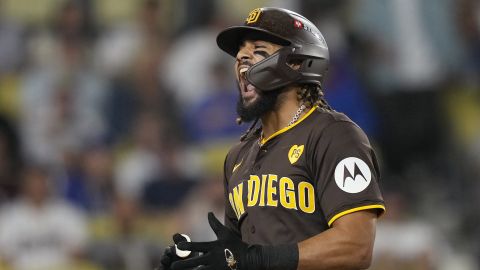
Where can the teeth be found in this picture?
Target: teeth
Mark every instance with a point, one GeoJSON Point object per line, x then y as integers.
{"type": "Point", "coordinates": [243, 70]}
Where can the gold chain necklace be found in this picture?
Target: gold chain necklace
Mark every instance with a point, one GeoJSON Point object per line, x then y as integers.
{"type": "Point", "coordinates": [293, 121]}
{"type": "Point", "coordinates": [297, 115]}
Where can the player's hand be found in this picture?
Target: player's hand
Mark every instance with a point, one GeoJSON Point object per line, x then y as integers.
{"type": "Point", "coordinates": [226, 253]}
{"type": "Point", "coordinates": [170, 256]}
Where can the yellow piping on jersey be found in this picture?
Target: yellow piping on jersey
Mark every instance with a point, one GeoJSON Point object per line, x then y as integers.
{"type": "Point", "coordinates": [263, 141]}
{"type": "Point", "coordinates": [356, 209]}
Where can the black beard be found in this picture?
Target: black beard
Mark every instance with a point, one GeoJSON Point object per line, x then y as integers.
{"type": "Point", "coordinates": [265, 102]}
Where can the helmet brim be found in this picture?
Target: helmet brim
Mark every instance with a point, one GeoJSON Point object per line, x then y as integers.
{"type": "Point", "coordinates": [230, 39]}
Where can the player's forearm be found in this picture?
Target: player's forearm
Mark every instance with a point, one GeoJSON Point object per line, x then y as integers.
{"type": "Point", "coordinates": [339, 247]}
{"type": "Point", "coordinates": [332, 254]}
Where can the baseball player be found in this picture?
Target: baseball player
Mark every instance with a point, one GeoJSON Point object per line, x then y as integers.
{"type": "Point", "coordinates": [301, 190]}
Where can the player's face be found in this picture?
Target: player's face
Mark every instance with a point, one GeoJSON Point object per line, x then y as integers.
{"type": "Point", "coordinates": [253, 103]}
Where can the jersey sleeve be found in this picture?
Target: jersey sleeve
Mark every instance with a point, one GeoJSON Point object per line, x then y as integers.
{"type": "Point", "coordinates": [346, 171]}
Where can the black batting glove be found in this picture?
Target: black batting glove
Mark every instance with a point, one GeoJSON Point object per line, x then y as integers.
{"type": "Point", "coordinates": [169, 255]}
{"type": "Point", "coordinates": [229, 252]}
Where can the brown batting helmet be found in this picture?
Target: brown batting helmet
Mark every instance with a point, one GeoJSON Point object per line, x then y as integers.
{"type": "Point", "coordinates": [301, 40]}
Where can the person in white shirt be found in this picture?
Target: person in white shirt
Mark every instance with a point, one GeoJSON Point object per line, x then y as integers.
{"type": "Point", "coordinates": [38, 231]}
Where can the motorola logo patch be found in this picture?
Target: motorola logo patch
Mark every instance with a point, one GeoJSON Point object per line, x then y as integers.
{"type": "Point", "coordinates": [352, 175]}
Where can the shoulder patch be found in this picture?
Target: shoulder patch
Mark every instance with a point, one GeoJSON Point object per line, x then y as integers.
{"type": "Point", "coordinates": [352, 175]}
{"type": "Point", "coordinates": [295, 152]}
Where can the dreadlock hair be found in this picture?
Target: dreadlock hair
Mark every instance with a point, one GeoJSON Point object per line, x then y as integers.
{"type": "Point", "coordinates": [312, 95]}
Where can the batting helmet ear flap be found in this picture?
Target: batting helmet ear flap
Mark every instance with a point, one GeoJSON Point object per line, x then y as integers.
{"type": "Point", "coordinates": [273, 72]}
{"type": "Point", "coordinates": [314, 65]}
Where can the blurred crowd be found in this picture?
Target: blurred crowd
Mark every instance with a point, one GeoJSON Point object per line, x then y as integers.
{"type": "Point", "coordinates": [115, 117]}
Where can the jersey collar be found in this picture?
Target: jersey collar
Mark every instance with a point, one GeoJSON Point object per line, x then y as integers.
{"type": "Point", "coordinates": [265, 140]}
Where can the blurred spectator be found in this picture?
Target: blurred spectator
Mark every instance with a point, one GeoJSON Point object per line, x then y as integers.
{"type": "Point", "coordinates": [345, 93]}
{"type": "Point", "coordinates": [59, 117]}
{"type": "Point", "coordinates": [61, 98]}
{"type": "Point", "coordinates": [406, 51]}
{"type": "Point", "coordinates": [412, 46]}
{"type": "Point", "coordinates": [119, 44]}
{"type": "Point", "coordinates": [343, 87]}
{"type": "Point", "coordinates": [73, 22]}
{"type": "Point", "coordinates": [468, 24]}
{"type": "Point", "coordinates": [143, 161]}
{"type": "Point", "coordinates": [168, 190]}
{"type": "Point", "coordinates": [38, 231]}
{"type": "Point", "coordinates": [197, 14]}
{"type": "Point", "coordinates": [13, 52]}
{"type": "Point", "coordinates": [64, 45]}
{"type": "Point", "coordinates": [130, 55]}
{"type": "Point", "coordinates": [124, 246]}
{"type": "Point", "coordinates": [141, 91]}
{"type": "Point", "coordinates": [153, 168]}
{"type": "Point", "coordinates": [190, 59]}
{"type": "Point", "coordinates": [405, 243]}
{"type": "Point", "coordinates": [90, 186]}
{"type": "Point", "coordinates": [212, 118]}
{"type": "Point", "coordinates": [154, 97]}
{"type": "Point", "coordinates": [12, 44]}
{"type": "Point", "coordinates": [10, 160]}
{"type": "Point", "coordinates": [204, 198]}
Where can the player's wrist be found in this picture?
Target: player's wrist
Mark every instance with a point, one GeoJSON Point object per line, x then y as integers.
{"type": "Point", "coordinates": [281, 257]}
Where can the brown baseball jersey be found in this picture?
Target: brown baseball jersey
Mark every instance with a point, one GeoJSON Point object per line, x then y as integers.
{"type": "Point", "coordinates": [296, 183]}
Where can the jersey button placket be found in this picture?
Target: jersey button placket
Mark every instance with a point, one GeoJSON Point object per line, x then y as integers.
{"type": "Point", "coordinates": [259, 157]}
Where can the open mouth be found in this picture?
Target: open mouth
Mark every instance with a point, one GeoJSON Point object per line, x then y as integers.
{"type": "Point", "coordinates": [247, 90]}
